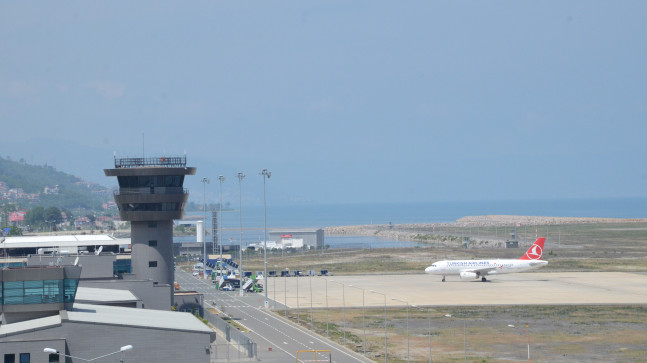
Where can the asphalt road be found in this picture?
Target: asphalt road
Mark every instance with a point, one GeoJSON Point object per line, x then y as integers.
{"type": "Point", "coordinates": [266, 329]}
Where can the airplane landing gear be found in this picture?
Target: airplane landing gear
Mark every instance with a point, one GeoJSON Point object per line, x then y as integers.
{"type": "Point", "coordinates": [443, 278]}
{"type": "Point", "coordinates": [483, 279]}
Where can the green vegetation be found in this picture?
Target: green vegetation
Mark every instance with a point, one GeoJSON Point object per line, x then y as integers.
{"type": "Point", "coordinates": [72, 192]}
{"type": "Point", "coordinates": [572, 333]}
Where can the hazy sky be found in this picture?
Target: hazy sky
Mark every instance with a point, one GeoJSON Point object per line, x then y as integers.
{"type": "Point", "coordinates": [345, 101]}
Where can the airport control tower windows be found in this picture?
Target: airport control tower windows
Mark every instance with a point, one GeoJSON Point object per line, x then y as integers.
{"type": "Point", "coordinates": [145, 181]}
{"type": "Point", "coordinates": [150, 207]}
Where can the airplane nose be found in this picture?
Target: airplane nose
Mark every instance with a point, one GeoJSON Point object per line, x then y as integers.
{"type": "Point", "coordinates": [429, 269]}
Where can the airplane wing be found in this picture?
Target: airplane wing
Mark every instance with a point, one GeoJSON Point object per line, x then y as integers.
{"type": "Point", "coordinates": [481, 271]}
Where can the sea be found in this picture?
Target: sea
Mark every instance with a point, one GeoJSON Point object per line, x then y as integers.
{"type": "Point", "coordinates": [251, 218]}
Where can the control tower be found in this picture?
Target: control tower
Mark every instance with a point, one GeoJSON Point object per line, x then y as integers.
{"type": "Point", "coordinates": [151, 196]}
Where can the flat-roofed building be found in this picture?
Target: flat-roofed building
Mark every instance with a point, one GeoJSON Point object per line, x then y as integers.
{"type": "Point", "coordinates": [313, 237]}
{"type": "Point", "coordinates": [39, 309]}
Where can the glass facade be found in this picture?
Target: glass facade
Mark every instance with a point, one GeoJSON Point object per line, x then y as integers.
{"type": "Point", "coordinates": [120, 267]}
{"type": "Point", "coordinates": [38, 291]}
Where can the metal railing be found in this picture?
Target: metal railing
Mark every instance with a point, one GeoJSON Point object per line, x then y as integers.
{"type": "Point", "coordinates": [155, 190]}
{"type": "Point", "coordinates": [169, 162]}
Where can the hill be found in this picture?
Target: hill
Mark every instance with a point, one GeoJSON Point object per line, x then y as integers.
{"type": "Point", "coordinates": [29, 185]}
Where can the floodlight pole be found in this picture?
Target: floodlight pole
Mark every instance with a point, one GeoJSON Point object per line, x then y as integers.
{"type": "Point", "coordinates": [266, 175]}
{"type": "Point", "coordinates": [363, 315]}
{"type": "Point", "coordinates": [406, 302]}
{"type": "Point", "coordinates": [343, 298]}
{"type": "Point", "coordinates": [385, 348]}
{"type": "Point", "coordinates": [327, 330]}
{"type": "Point", "coordinates": [205, 181]}
{"type": "Point", "coordinates": [221, 179]}
{"type": "Point", "coordinates": [240, 177]}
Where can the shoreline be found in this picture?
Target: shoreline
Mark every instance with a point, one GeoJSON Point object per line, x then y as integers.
{"type": "Point", "coordinates": [425, 232]}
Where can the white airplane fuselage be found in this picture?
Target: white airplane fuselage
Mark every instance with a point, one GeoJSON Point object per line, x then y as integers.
{"type": "Point", "coordinates": [475, 269]}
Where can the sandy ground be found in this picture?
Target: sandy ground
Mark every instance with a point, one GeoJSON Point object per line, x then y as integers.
{"type": "Point", "coordinates": [426, 290]}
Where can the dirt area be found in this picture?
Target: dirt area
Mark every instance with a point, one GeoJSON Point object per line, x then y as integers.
{"type": "Point", "coordinates": [556, 333]}
{"type": "Point", "coordinates": [564, 333]}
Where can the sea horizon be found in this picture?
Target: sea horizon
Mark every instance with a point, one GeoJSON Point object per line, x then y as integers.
{"type": "Point", "coordinates": [325, 215]}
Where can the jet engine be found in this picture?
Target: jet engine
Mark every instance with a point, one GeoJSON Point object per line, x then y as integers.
{"type": "Point", "coordinates": [465, 275]}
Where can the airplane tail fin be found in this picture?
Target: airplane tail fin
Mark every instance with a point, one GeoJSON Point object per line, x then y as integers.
{"type": "Point", "coordinates": [535, 251]}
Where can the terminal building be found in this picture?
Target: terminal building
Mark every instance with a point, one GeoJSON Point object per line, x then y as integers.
{"type": "Point", "coordinates": [52, 309]}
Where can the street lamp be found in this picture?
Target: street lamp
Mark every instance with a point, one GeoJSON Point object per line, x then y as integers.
{"type": "Point", "coordinates": [205, 181]}
{"type": "Point", "coordinates": [240, 177]}
{"type": "Point", "coordinates": [363, 315]}
{"type": "Point", "coordinates": [285, 291]}
{"type": "Point", "coordinates": [396, 299]}
{"type": "Point", "coordinates": [327, 331]}
{"type": "Point", "coordinates": [221, 179]}
{"type": "Point", "coordinates": [311, 315]}
{"type": "Point", "coordinates": [343, 297]}
{"type": "Point", "coordinates": [274, 287]}
{"type": "Point", "coordinates": [464, 335]}
{"type": "Point", "coordinates": [429, 321]}
{"type": "Point", "coordinates": [298, 307]}
{"type": "Point", "coordinates": [122, 349]}
{"type": "Point", "coordinates": [385, 351]}
{"type": "Point", "coordinates": [527, 336]}
{"type": "Point", "coordinates": [266, 175]}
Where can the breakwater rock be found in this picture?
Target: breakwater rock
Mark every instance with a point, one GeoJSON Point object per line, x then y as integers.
{"type": "Point", "coordinates": [450, 234]}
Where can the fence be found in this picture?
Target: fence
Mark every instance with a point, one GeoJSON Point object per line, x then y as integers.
{"type": "Point", "coordinates": [238, 347]}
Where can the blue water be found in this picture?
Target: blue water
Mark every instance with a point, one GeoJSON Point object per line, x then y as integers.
{"type": "Point", "coordinates": [319, 216]}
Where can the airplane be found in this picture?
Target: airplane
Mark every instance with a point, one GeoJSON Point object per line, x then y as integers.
{"type": "Point", "coordinates": [474, 269]}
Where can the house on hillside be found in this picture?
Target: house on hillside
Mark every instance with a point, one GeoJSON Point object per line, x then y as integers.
{"type": "Point", "coordinates": [51, 190]}
{"type": "Point", "coordinates": [81, 222]}
{"type": "Point", "coordinates": [17, 218]}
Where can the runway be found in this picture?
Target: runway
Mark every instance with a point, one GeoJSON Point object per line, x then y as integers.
{"type": "Point", "coordinates": [533, 288]}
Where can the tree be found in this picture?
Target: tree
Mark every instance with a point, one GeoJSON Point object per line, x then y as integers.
{"type": "Point", "coordinates": [52, 216]}
{"type": "Point", "coordinates": [35, 217]}
{"type": "Point", "coordinates": [91, 217]}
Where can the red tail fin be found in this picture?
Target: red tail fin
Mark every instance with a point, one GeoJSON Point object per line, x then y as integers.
{"type": "Point", "coordinates": [535, 251]}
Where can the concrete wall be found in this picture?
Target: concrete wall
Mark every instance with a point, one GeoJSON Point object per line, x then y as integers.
{"type": "Point", "coordinates": [143, 253]}
{"type": "Point", "coordinates": [158, 297]}
{"type": "Point", "coordinates": [94, 267]}
{"type": "Point", "coordinates": [34, 346]}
